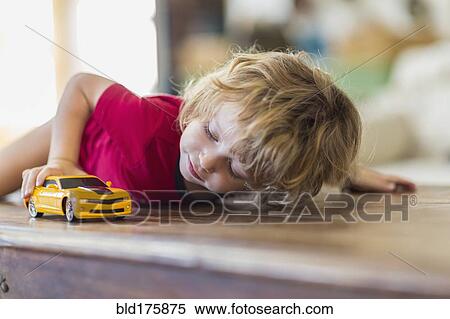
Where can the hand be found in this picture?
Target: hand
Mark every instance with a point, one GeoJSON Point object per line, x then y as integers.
{"type": "Point", "coordinates": [36, 176]}
{"type": "Point", "coordinates": [368, 180]}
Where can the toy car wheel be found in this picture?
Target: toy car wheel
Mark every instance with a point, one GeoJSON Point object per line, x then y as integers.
{"type": "Point", "coordinates": [70, 212]}
{"type": "Point", "coordinates": [32, 209]}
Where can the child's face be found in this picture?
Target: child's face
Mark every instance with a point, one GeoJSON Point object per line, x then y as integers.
{"type": "Point", "coordinates": [205, 153]}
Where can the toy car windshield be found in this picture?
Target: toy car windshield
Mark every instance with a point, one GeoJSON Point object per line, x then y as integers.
{"type": "Point", "coordinates": [83, 182]}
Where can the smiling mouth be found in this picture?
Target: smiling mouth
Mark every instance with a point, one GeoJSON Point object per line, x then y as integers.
{"type": "Point", "coordinates": [192, 170]}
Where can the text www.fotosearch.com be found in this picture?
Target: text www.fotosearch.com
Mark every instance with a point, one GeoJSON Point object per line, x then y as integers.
{"type": "Point", "coordinates": [244, 309]}
{"type": "Point", "coordinates": [230, 309]}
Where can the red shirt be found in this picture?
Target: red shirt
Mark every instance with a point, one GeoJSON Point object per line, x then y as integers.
{"type": "Point", "coordinates": [133, 141]}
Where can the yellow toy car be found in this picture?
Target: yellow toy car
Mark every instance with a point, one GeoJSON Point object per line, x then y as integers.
{"type": "Point", "coordinates": [78, 197]}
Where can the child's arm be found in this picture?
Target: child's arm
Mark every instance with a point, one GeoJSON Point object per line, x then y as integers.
{"type": "Point", "coordinates": [368, 180]}
{"type": "Point", "coordinates": [27, 151]}
{"type": "Point", "coordinates": [77, 103]}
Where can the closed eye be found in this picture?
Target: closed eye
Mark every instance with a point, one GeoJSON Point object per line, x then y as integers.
{"type": "Point", "coordinates": [215, 139]}
{"type": "Point", "coordinates": [209, 133]}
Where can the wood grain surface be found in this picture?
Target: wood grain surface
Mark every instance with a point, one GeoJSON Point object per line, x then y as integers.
{"type": "Point", "coordinates": [239, 252]}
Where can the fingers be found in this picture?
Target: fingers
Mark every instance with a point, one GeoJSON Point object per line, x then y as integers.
{"type": "Point", "coordinates": [374, 183]}
{"type": "Point", "coordinates": [386, 186]}
{"type": "Point", "coordinates": [402, 184]}
{"type": "Point", "coordinates": [381, 185]}
{"type": "Point", "coordinates": [388, 183]}
{"type": "Point", "coordinates": [393, 185]}
{"type": "Point", "coordinates": [45, 172]}
{"type": "Point", "coordinates": [367, 180]}
{"type": "Point", "coordinates": [406, 186]}
{"type": "Point", "coordinates": [398, 179]}
{"type": "Point", "coordinates": [24, 182]}
{"type": "Point", "coordinates": [40, 178]}
{"type": "Point", "coordinates": [36, 177]}
{"type": "Point", "coordinates": [29, 181]}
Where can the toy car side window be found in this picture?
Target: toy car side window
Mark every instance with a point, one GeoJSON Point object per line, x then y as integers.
{"type": "Point", "coordinates": [50, 182]}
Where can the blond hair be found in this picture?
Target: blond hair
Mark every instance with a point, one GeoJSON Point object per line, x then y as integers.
{"type": "Point", "coordinates": [297, 129]}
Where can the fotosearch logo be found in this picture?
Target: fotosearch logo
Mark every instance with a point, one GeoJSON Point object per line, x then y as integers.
{"type": "Point", "coordinates": [250, 207]}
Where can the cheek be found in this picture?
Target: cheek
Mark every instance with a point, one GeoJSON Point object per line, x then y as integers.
{"type": "Point", "coordinates": [185, 141]}
{"type": "Point", "coordinates": [192, 136]}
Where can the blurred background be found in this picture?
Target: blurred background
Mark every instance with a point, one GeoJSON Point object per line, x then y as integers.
{"type": "Point", "coordinates": [392, 57]}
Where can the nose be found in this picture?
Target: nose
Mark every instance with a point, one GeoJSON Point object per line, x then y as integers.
{"type": "Point", "coordinates": [209, 161]}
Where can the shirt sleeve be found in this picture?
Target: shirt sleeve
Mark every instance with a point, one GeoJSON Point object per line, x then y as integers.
{"type": "Point", "coordinates": [130, 120]}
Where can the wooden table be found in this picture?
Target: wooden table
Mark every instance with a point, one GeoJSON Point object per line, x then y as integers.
{"type": "Point", "coordinates": [202, 257]}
